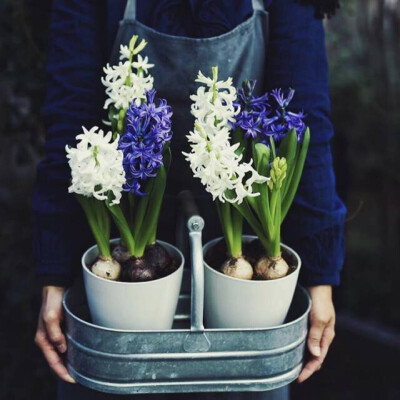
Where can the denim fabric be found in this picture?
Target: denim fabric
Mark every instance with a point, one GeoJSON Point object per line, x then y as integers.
{"type": "Point", "coordinates": [80, 43]}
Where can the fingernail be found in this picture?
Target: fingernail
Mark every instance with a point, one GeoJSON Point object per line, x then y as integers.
{"type": "Point", "coordinates": [316, 351]}
{"type": "Point", "coordinates": [70, 379]}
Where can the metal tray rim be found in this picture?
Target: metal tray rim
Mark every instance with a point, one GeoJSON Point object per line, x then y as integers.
{"type": "Point", "coordinates": [91, 325]}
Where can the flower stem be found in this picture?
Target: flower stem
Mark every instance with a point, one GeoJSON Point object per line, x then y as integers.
{"type": "Point", "coordinates": [224, 213]}
{"type": "Point", "coordinates": [276, 240]}
{"type": "Point", "coordinates": [121, 121]}
{"type": "Point", "coordinates": [237, 231]}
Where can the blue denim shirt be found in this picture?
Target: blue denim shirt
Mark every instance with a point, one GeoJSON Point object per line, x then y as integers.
{"type": "Point", "coordinates": [80, 40]}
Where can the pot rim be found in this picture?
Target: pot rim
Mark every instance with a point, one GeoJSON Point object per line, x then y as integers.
{"type": "Point", "coordinates": [252, 282]}
{"type": "Point", "coordinates": [117, 240]}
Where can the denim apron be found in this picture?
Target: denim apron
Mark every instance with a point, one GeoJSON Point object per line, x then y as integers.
{"type": "Point", "coordinates": [240, 54]}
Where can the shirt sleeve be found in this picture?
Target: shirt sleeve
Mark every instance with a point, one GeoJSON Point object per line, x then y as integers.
{"type": "Point", "coordinates": [74, 98]}
{"type": "Point", "coordinates": [297, 59]}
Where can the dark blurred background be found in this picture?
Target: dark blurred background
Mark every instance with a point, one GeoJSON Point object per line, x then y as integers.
{"type": "Point", "coordinates": [364, 53]}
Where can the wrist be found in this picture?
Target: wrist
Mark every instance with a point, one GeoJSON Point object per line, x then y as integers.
{"type": "Point", "coordinates": [52, 290]}
{"type": "Point", "coordinates": [320, 291]}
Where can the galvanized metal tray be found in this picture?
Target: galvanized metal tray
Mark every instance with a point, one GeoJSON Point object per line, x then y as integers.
{"type": "Point", "coordinates": [187, 358]}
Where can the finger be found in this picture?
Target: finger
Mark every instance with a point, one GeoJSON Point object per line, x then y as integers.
{"type": "Point", "coordinates": [54, 359]}
{"type": "Point", "coordinates": [312, 366]}
{"type": "Point", "coordinates": [52, 323]}
{"type": "Point", "coordinates": [326, 341]}
{"type": "Point", "coordinates": [314, 338]}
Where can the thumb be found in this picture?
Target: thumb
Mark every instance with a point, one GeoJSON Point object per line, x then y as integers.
{"type": "Point", "coordinates": [314, 338]}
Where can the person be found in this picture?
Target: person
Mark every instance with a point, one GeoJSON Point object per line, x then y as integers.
{"type": "Point", "coordinates": [285, 50]}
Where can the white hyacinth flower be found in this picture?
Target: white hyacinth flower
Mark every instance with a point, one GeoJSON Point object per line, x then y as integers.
{"type": "Point", "coordinates": [213, 158]}
{"type": "Point", "coordinates": [214, 103]}
{"type": "Point", "coordinates": [122, 83]}
{"type": "Point", "coordinates": [142, 64]}
{"type": "Point", "coordinates": [214, 161]}
{"type": "Point", "coordinates": [96, 165]}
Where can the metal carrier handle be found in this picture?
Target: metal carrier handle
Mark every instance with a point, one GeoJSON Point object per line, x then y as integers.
{"type": "Point", "coordinates": [197, 339]}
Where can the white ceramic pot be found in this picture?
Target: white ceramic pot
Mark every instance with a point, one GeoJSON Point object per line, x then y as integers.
{"type": "Point", "coordinates": [147, 305]}
{"type": "Point", "coordinates": [238, 303]}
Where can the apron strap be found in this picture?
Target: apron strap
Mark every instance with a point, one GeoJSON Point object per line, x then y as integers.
{"type": "Point", "coordinates": [258, 5]}
{"type": "Point", "coordinates": [130, 10]}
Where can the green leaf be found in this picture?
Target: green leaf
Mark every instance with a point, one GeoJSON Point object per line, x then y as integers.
{"type": "Point", "coordinates": [288, 149]}
{"type": "Point", "coordinates": [238, 137]}
{"type": "Point", "coordinates": [141, 209]}
{"type": "Point", "coordinates": [100, 228]}
{"type": "Point", "coordinates": [149, 228]}
{"type": "Point", "coordinates": [122, 224]}
{"type": "Point", "coordinates": [297, 173]}
{"type": "Point", "coordinates": [261, 154]}
{"type": "Point", "coordinates": [251, 219]}
{"type": "Point", "coordinates": [167, 157]}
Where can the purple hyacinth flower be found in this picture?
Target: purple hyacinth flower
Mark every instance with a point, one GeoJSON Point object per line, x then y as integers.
{"type": "Point", "coordinates": [249, 123]}
{"type": "Point", "coordinates": [148, 130]}
{"type": "Point", "coordinates": [283, 120]}
{"type": "Point", "coordinates": [280, 98]}
{"type": "Point", "coordinates": [252, 110]}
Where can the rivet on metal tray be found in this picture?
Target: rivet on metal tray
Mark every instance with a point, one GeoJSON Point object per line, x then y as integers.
{"type": "Point", "coordinates": [195, 223]}
{"type": "Point", "coordinates": [196, 342]}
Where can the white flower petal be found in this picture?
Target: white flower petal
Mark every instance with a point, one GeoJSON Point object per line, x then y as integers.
{"type": "Point", "coordinates": [96, 165]}
{"type": "Point", "coordinates": [213, 158]}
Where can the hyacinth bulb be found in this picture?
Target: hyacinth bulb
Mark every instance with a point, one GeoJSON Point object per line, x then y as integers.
{"type": "Point", "coordinates": [271, 268]}
{"type": "Point", "coordinates": [107, 269]}
{"type": "Point", "coordinates": [138, 270]}
{"type": "Point", "coordinates": [157, 256]}
{"type": "Point", "coordinates": [237, 267]}
{"type": "Point", "coordinates": [121, 254]}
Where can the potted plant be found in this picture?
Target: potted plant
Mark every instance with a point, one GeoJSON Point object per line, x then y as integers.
{"type": "Point", "coordinates": [249, 153]}
{"type": "Point", "coordinates": [132, 282]}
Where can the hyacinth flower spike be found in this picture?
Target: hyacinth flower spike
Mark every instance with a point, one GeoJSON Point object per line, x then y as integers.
{"type": "Point", "coordinates": [144, 125]}
{"type": "Point", "coordinates": [284, 165]}
{"type": "Point", "coordinates": [146, 160]}
{"type": "Point", "coordinates": [97, 174]}
{"type": "Point", "coordinates": [126, 82]}
{"type": "Point", "coordinates": [218, 163]}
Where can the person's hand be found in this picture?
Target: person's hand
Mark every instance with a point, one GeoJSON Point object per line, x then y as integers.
{"type": "Point", "coordinates": [322, 329]}
{"type": "Point", "coordinates": [49, 336]}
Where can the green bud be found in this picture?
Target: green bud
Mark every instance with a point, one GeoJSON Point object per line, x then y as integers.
{"type": "Point", "coordinates": [277, 173]}
{"type": "Point", "coordinates": [141, 46]}
{"type": "Point", "coordinates": [132, 43]}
